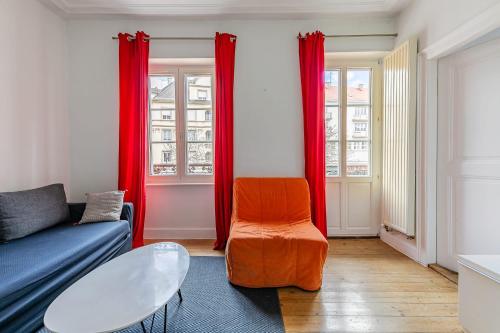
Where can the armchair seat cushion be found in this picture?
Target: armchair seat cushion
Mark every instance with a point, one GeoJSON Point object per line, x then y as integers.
{"type": "Point", "coordinates": [273, 242]}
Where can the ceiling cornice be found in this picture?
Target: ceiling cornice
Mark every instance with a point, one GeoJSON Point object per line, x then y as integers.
{"type": "Point", "coordinates": [228, 8]}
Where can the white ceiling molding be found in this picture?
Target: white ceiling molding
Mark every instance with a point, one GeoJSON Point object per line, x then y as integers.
{"type": "Point", "coordinates": [227, 7]}
{"type": "Point", "coordinates": [480, 25]}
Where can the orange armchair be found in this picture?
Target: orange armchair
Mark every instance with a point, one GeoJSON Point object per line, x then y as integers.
{"type": "Point", "coordinates": [272, 242]}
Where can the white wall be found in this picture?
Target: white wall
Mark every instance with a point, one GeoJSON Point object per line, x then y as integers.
{"type": "Point", "coordinates": [431, 20]}
{"type": "Point", "coordinates": [268, 115]}
{"type": "Point", "coordinates": [33, 106]}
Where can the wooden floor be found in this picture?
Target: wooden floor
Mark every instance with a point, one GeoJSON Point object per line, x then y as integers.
{"type": "Point", "coordinates": [367, 287]}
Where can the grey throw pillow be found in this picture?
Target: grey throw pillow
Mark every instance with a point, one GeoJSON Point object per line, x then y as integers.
{"type": "Point", "coordinates": [105, 206]}
{"type": "Point", "coordinates": [25, 212]}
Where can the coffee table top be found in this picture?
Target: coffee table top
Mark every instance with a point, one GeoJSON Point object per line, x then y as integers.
{"type": "Point", "coordinates": [122, 292]}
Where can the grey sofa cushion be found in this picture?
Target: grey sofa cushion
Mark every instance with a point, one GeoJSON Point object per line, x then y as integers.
{"type": "Point", "coordinates": [25, 212]}
{"type": "Point", "coordinates": [105, 206]}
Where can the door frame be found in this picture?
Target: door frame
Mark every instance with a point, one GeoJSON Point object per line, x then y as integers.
{"type": "Point", "coordinates": [427, 110]}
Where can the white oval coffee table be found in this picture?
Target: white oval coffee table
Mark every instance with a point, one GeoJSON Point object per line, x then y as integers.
{"type": "Point", "coordinates": [122, 292]}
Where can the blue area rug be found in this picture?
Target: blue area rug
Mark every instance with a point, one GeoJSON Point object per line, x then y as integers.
{"type": "Point", "coordinates": [211, 304]}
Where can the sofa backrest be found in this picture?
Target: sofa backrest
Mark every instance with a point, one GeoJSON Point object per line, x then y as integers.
{"type": "Point", "coordinates": [271, 199]}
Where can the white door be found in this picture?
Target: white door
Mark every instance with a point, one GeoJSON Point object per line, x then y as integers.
{"type": "Point", "coordinates": [468, 189]}
{"type": "Point", "coordinates": [353, 151]}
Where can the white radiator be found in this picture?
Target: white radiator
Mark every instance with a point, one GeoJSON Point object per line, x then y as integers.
{"type": "Point", "coordinates": [398, 138]}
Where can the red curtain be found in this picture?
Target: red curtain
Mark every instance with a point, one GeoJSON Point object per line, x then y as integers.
{"type": "Point", "coordinates": [134, 55]}
{"type": "Point", "coordinates": [225, 47]}
{"type": "Point", "coordinates": [312, 69]}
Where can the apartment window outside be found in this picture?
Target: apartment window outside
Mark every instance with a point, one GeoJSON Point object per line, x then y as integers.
{"type": "Point", "coordinates": [202, 94]}
{"type": "Point", "coordinates": [181, 142]}
{"type": "Point", "coordinates": [208, 115]}
{"type": "Point", "coordinates": [191, 135]}
{"type": "Point", "coordinates": [166, 156]}
{"type": "Point", "coordinates": [166, 115]}
{"type": "Point", "coordinates": [166, 134]}
{"type": "Point", "coordinates": [348, 125]}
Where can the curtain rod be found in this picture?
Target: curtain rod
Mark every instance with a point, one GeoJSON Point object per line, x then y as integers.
{"type": "Point", "coordinates": [362, 35]}
{"type": "Point", "coordinates": [173, 38]}
{"type": "Point", "coordinates": [212, 38]}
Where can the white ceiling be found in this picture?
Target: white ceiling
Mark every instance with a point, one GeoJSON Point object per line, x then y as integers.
{"type": "Point", "coordinates": [229, 7]}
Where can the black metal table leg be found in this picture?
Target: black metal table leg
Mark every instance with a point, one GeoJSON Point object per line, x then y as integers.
{"type": "Point", "coordinates": [143, 327]}
{"type": "Point", "coordinates": [165, 320]}
{"type": "Point", "coordinates": [180, 294]}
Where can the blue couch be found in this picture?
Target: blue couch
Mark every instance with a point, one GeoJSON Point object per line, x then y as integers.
{"type": "Point", "coordinates": [35, 269]}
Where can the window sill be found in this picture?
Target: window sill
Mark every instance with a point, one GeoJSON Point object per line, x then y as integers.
{"type": "Point", "coordinates": [349, 179]}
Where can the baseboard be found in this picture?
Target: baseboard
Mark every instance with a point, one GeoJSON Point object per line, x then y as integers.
{"type": "Point", "coordinates": [179, 233]}
{"type": "Point", "coordinates": [398, 241]}
{"type": "Point", "coordinates": [450, 275]}
{"type": "Point", "coordinates": [353, 237]}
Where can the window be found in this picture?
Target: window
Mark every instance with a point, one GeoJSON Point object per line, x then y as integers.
{"type": "Point", "coordinates": [180, 103]}
{"type": "Point", "coordinates": [202, 94]}
{"type": "Point", "coordinates": [166, 134]}
{"type": "Point", "coordinates": [208, 115]}
{"type": "Point", "coordinates": [166, 115]}
{"type": "Point", "coordinates": [348, 127]}
{"type": "Point", "coordinates": [191, 135]}
{"type": "Point", "coordinates": [166, 156]}
{"type": "Point", "coordinates": [332, 128]}
{"type": "Point", "coordinates": [360, 129]}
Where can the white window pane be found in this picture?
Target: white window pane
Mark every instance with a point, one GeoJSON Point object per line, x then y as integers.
{"type": "Point", "coordinates": [358, 86]}
{"type": "Point", "coordinates": [332, 87]}
{"type": "Point", "coordinates": [199, 158]}
{"type": "Point", "coordinates": [358, 158]}
{"type": "Point", "coordinates": [199, 126]}
{"type": "Point", "coordinates": [332, 122]}
{"type": "Point", "coordinates": [358, 122]}
{"type": "Point", "coordinates": [162, 92]}
{"type": "Point", "coordinates": [163, 149]}
{"type": "Point", "coordinates": [163, 159]}
{"type": "Point", "coordinates": [332, 158]}
{"type": "Point", "coordinates": [199, 88]}
{"type": "Point", "coordinates": [332, 125]}
{"type": "Point", "coordinates": [358, 131]}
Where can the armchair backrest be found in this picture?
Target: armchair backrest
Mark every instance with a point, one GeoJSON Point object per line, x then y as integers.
{"type": "Point", "coordinates": [271, 199]}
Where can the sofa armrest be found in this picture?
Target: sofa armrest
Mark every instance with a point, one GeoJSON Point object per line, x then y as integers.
{"type": "Point", "coordinates": [76, 212]}
{"type": "Point", "coordinates": [128, 214]}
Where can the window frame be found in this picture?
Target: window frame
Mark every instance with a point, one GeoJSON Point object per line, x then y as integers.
{"type": "Point", "coordinates": [343, 65]}
{"type": "Point", "coordinates": [179, 72]}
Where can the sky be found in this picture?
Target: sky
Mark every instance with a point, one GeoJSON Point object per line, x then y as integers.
{"type": "Point", "coordinates": [354, 77]}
